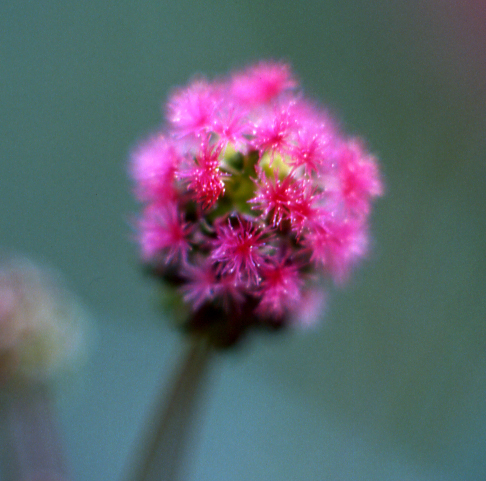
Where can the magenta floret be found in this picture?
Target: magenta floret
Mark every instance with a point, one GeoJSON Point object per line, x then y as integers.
{"type": "Point", "coordinates": [261, 83]}
{"type": "Point", "coordinates": [238, 249]}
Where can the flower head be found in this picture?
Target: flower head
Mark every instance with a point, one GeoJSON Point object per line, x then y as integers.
{"type": "Point", "coordinates": [42, 325]}
{"type": "Point", "coordinates": [251, 196]}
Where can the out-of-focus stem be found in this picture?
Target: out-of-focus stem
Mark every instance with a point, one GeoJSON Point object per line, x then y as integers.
{"type": "Point", "coordinates": [163, 451]}
{"type": "Point", "coordinates": [33, 450]}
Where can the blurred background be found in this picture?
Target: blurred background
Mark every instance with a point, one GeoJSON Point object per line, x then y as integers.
{"type": "Point", "coordinates": [392, 383]}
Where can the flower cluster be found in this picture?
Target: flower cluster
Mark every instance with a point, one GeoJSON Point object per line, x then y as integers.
{"type": "Point", "coordinates": [250, 196]}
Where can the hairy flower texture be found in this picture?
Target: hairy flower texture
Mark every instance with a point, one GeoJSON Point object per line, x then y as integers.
{"type": "Point", "coordinates": [278, 200]}
{"type": "Point", "coordinates": [274, 130]}
{"type": "Point", "coordinates": [312, 146]}
{"type": "Point", "coordinates": [201, 283]}
{"type": "Point", "coordinates": [359, 177]}
{"type": "Point", "coordinates": [238, 250]}
{"type": "Point", "coordinates": [336, 245]}
{"type": "Point", "coordinates": [205, 179]}
{"type": "Point", "coordinates": [163, 234]}
{"type": "Point", "coordinates": [230, 127]}
{"type": "Point", "coordinates": [191, 110]}
{"type": "Point", "coordinates": [280, 288]}
{"type": "Point", "coordinates": [261, 83]}
{"type": "Point", "coordinates": [153, 168]}
{"type": "Point", "coordinates": [251, 197]}
{"type": "Point", "coordinates": [205, 284]}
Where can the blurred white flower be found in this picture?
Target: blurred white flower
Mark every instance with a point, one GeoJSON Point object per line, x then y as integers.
{"type": "Point", "coordinates": [42, 324]}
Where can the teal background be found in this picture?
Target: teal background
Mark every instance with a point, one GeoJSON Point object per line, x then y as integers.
{"type": "Point", "coordinates": [392, 384]}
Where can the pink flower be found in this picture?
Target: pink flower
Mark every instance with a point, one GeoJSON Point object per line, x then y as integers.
{"type": "Point", "coordinates": [153, 166]}
{"type": "Point", "coordinates": [204, 284]}
{"type": "Point", "coordinates": [359, 177]}
{"type": "Point", "coordinates": [304, 208]}
{"type": "Point", "coordinates": [163, 234]}
{"type": "Point", "coordinates": [337, 245]}
{"type": "Point", "coordinates": [278, 200]}
{"type": "Point", "coordinates": [251, 196]}
{"type": "Point", "coordinates": [280, 288]}
{"type": "Point", "coordinates": [191, 110]}
{"type": "Point", "coordinates": [274, 130]}
{"type": "Point", "coordinates": [261, 83]}
{"type": "Point", "coordinates": [238, 249]}
{"type": "Point", "coordinates": [201, 283]}
{"type": "Point", "coordinates": [231, 127]}
{"type": "Point", "coordinates": [204, 177]}
{"type": "Point", "coordinates": [313, 146]}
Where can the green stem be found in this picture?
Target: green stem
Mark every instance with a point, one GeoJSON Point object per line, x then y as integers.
{"type": "Point", "coordinates": [167, 436]}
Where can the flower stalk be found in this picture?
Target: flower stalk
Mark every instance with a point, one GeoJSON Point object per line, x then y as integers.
{"type": "Point", "coordinates": [162, 454]}
{"type": "Point", "coordinates": [33, 450]}
{"type": "Point", "coordinates": [252, 198]}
